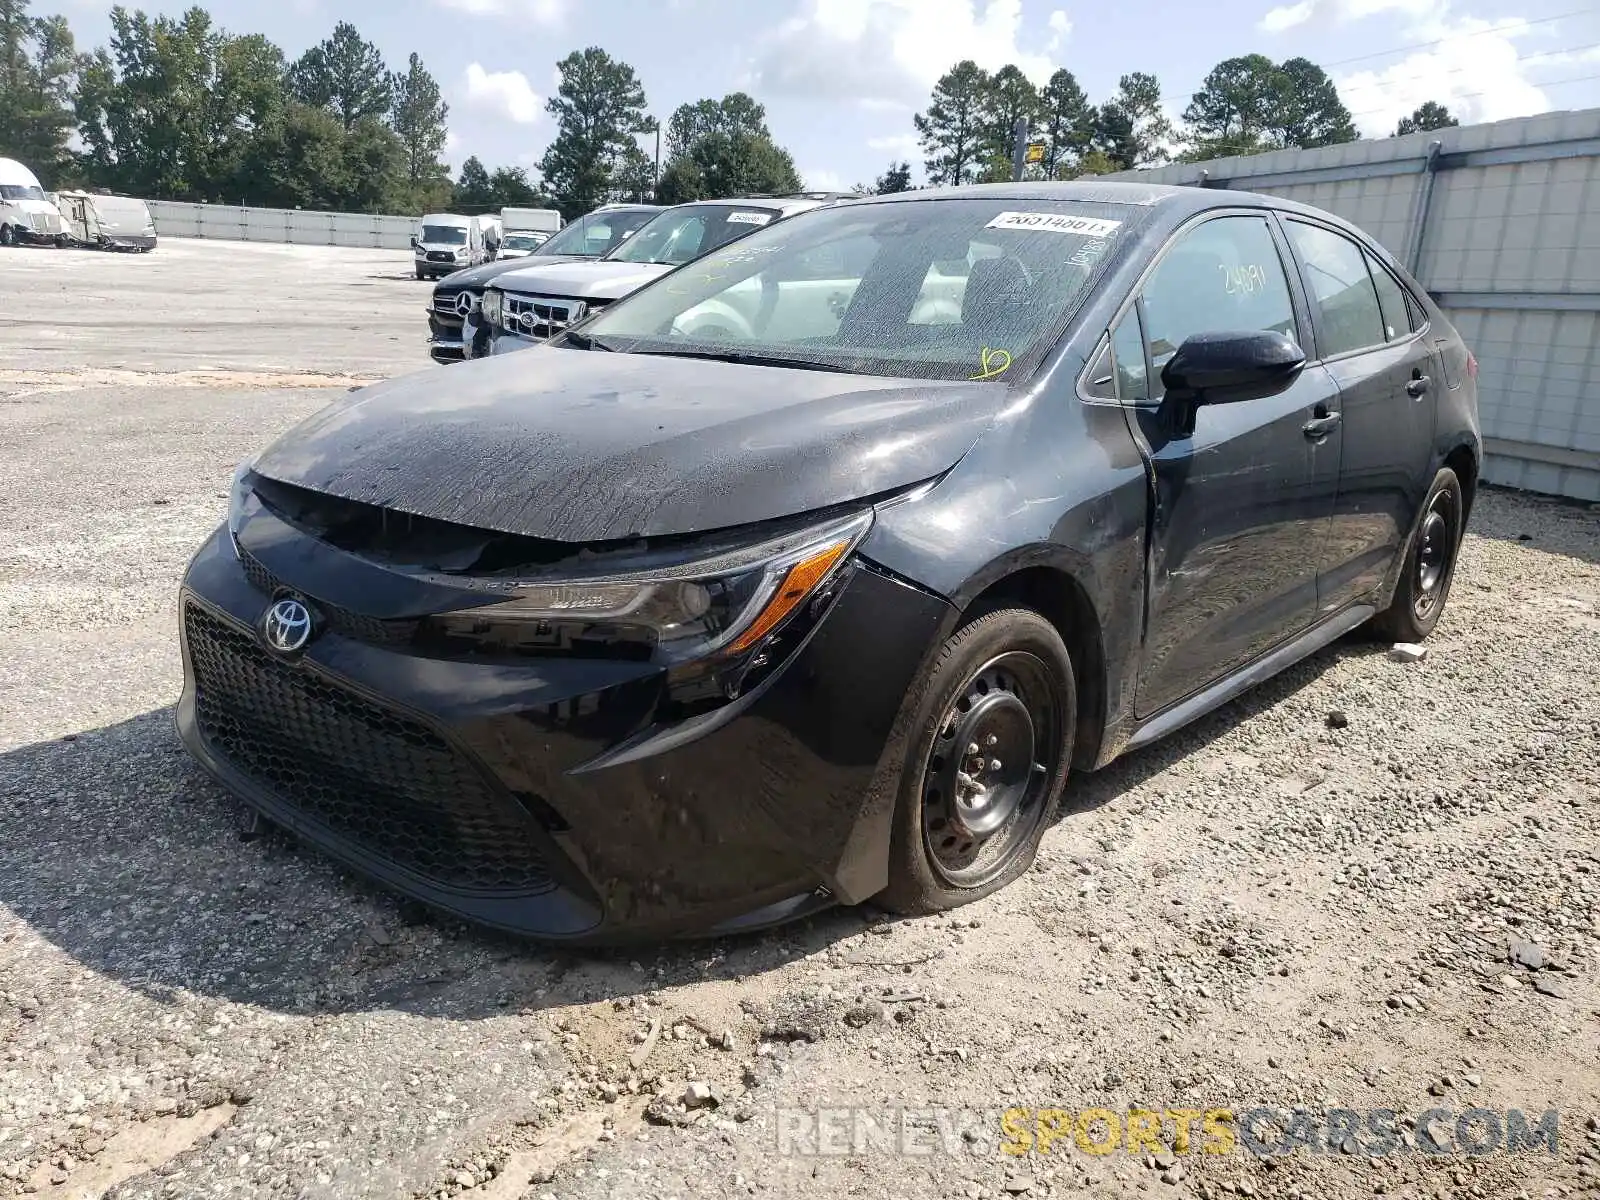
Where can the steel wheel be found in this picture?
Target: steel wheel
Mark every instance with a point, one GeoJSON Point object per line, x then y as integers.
{"type": "Point", "coordinates": [990, 772]}
{"type": "Point", "coordinates": [1436, 554]}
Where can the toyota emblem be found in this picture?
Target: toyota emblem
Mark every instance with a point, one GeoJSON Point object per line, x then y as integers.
{"type": "Point", "coordinates": [287, 626]}
{"type": "Point", "coordinates": [465, 303]}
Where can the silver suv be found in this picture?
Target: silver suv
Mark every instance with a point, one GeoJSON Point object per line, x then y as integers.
{"type": "Point", "coordinates": [525, 307]}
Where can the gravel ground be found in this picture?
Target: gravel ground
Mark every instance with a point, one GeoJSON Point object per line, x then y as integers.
{"type": "Point", "coordinates": [1366, 885]}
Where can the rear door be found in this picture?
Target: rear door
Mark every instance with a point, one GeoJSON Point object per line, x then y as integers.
{"type": "Point", "coordinates": [1378, 352]}
{"type": "Point", "coordinates": [1241, 501]}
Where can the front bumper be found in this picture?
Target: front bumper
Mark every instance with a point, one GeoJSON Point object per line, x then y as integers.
{"type": "Point", "coordinates": [541, 796]}
{"type": "Point", "coordinates": [137, 242]}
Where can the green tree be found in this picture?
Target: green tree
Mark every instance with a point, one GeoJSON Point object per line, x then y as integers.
{"type": "Point", "coordinates": [635, 180]}
{"type": "Point", "coordinates": [951, 130]}
{"type": "Point", "coordinates": [1248, 105]}
{"type": "Point", "coordinates": [1131, 129]}
{"type": "Point", "coordinates": [1238, 107]}
{"type": "Point", "coordinates": [1066, 123]}
{"type": "Point", "coordinates": [344, 74]}
{"type": "Point", "coordinates": [896, 179]}
{"type": "Point", "coordinates": [418, 119]}
{"type": "Point", "coordinates": [511, 187]}
{"type": "Point", "coordinates": [681, 182]}
{"type": "Point", "coordinates": [730, 148]}
{"type": "Point", "coordinates": [38, 64]}
{"type": "Point", "coordinates": [1432, 115]}
{"type": "Point", "coordinates": [473, 188]}
{"type": "Point", "coordinates": [1314, 115]}
{"type": "Point", "coordinates": [1009, 98]}
{"type": "Point", "coordinates": [599, 107]}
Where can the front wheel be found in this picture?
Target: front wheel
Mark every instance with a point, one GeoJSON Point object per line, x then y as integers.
{"type": "Point", "coordinates": [984, 774]}
{"type": "Point", "coordinates": [7, 237]}
{"type": "Point", "coordinates": [1430, 565]}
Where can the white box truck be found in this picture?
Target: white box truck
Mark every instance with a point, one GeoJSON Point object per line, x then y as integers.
{"type": "Point", "coordinates": [524, 229]}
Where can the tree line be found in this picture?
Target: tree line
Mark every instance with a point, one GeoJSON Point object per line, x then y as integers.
{"type": "Point", "coordinates": [1245, 105]}
{"type": "Point", "coordinates": [179, 108]}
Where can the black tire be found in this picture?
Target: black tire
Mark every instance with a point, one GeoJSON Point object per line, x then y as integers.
{"type": "Point", "coordinates": [1005, 676]}
{"type": "Point", "coordinates": [421, 274]}
{"type": "Point", "coordinates": [1429, 567]}
{"type": "Point", "coordinates": [7, 237]}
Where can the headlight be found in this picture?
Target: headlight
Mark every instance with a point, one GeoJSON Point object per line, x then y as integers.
{"type": "Point", "coordinates": [239, 492]}
{"type": "Point", "coordinates": [24, 219]}
{"type": "Point", "coordinates": [490, 307]}
{"type": "Point", "coordinates": [721, 613]}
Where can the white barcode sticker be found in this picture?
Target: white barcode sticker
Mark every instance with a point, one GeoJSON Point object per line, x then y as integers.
{"type": "Point", "coordinates": [1050, 222]}
{"type": "Point", "coordinates": [748, 218]}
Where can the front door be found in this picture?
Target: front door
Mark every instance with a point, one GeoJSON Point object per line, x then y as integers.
{"type": "Point", "coordinates": [1371, 341]}
{"type": "Point", "coordinates": [1242, 501]}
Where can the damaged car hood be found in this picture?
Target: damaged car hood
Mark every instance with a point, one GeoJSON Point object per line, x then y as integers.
{"type": "Point", "coordinates": [589, 446]}
{"type": "Point", "coordinates": [595, 279]}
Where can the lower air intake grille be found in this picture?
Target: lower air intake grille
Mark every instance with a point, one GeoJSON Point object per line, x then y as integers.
{"type": "Point", "coordinates": [372, 776]}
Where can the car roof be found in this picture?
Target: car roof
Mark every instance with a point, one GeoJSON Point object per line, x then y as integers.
{"type": "Point", "coordinates": [784, 205]}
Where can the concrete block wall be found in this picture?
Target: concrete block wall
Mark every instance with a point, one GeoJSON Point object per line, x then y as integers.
{"type": "Point", "coordinates": [237, 223]}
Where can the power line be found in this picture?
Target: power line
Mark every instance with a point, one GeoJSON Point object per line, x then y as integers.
{"type": "Point", "coordinates": [1475, 95]}
{"type": "Point", "coordinates": [1507, 28]}
{"type": "Point", "coordinates": [1523, 59]}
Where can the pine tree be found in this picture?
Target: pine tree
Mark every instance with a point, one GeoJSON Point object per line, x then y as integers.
{"type": "Point", "coordinates": [952, 128]}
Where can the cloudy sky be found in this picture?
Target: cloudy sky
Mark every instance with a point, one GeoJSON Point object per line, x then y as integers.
{"type": "Point", "coordinates": [841, 78]}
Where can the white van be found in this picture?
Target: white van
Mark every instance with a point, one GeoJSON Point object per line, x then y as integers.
{"type": "Point", "coordinates": [25, 215]}
{"type": "Point", "coordinates": [447, 242]}
{"type": "Point", "coordinates": [108, 222]}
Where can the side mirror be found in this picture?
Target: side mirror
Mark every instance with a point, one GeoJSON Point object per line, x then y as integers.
{"type": "Point", "coordinates": [413, 241]}
{"type": "Point", "coordinates": [1224, 368]}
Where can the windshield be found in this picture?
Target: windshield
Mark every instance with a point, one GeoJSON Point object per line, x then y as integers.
{"type": "Point", "coordinates": [524, 241]}
{"type": "Point", "coordinates": [595, 234]}
{"type": "Point", "coordinates": [17, 191]}
{"type": "Point", "coordinates": [684, 234]}
{"type": "Point", "coordinates": [941, 289]}
{"type": "Point", "coordinates": [444, 235]}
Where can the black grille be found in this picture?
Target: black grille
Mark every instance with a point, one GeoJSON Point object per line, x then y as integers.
{"type": "Point", "coordinates": [441, 256]}
{"type": "Point", "coordinates": [373, 630]}
{"type": "Point", "coordinates": [370, 775]}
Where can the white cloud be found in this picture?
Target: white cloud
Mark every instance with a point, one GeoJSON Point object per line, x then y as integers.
{"type": "Point", "coordinates": [904, 145]}
{"type": "Point", "coordinates": [893, 51]}
{"type": "Point", "coordinates": [505, 95]}
{"type": "Point", "coordinates": [824, 181]}
{"type": "Point", "coordinates": [1060, 31]}
{"type": "Point", "coordinates": [1475, 70]}
{"type": "Point", "coordinates": [1286, 17]}
{"type": "Point", "coordinates": [540, 12]}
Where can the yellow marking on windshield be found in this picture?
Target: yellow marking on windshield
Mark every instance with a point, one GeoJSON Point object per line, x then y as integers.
{"type": "Point", "coordinates": [994, 364]}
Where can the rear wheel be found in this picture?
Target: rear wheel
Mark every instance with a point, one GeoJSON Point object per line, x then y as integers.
{"type": "Point", "coordinates": [985, 773]}
{"type": "Point", "coordinates": [1430, 565]}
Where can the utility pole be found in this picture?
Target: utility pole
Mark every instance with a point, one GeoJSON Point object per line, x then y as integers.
{"type": "Point", "coordinates": [1019, 148]}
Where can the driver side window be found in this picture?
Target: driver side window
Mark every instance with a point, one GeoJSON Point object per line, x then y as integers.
{"type": "Point", "coordinates": [1223, 276]}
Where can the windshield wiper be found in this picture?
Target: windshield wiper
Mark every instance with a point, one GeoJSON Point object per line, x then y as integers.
{"type": "Point", "coordinates": [584, 341]}
{"type": "Point", "coordinates": [748, 359]}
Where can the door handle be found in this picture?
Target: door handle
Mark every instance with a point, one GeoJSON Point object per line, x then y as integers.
{"type": "Point", "coordinates": [1418, 387]}
{"type": "Point", "coordinates": [1320, 427]}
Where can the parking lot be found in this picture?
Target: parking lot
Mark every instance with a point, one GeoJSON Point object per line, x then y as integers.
{"type": "Point", "coordinates": [1366, 885]}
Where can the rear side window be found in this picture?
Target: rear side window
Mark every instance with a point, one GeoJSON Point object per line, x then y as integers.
{"type": "Point", "coordinates": [1336, 271]}
{"type": "Point", "coordinates": [1397, 323]}
{"type": "Point", "coordinates": [1223, 276]}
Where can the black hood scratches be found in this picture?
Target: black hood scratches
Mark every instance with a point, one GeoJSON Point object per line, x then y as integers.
{"type": "Point", "coordinates": [591, 446]}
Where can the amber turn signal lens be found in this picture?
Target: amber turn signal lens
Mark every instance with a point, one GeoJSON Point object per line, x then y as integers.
{"type": "Point", "coordinates": [799, 583]}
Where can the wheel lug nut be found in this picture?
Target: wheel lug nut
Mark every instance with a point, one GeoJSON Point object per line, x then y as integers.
{"type": "Point", "coordinates": [974, 748]}
{"type": "Point", "coordinates": [993, 740]}
{"type": "Point", "coordinates": [994, 764]}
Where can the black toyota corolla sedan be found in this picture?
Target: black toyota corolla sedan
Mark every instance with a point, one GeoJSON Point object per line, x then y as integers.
{"type": "Point", "coordinates": [807, 574]}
